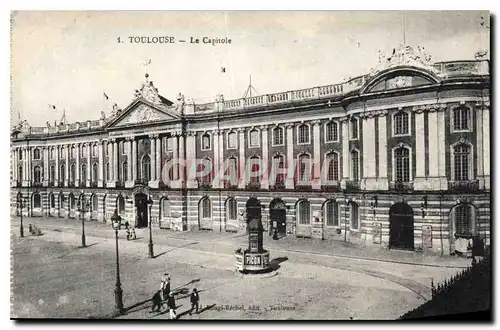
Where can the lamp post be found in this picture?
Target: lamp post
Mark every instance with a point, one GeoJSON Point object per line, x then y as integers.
{"type": "Point", "coordinates": [116, 224]}
{"type": "Point", "coordinates": [82, 208]}
{"type": "Point", "coordinates": [20, 205]}
{"type": "Point", "coordinates": [150, 244]}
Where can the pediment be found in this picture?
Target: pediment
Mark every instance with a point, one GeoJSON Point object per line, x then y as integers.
{"type": "Point", "coordinates": [142, 112]}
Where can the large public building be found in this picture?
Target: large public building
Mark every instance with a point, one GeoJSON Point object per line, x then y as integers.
{"type": "Point", "coordinates": [399, 157]}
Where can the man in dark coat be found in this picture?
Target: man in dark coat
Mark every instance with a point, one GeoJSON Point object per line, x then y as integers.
{"type": "Point", "coordinates": [171, 307]}
{"type": "Point", "coordinates": [156, 301]}
{"type": "Point", "coordinates": [195, 301]}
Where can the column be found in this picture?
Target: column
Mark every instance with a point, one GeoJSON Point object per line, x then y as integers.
{"type": "Point", "coordinates": [264, 183]}
{"type": "Point", "coordinates": [241, 165]}
{"type": "Point", "coordinates": [29, 167]}
{"type": "Point", "coordinates": [433, 149]}
{"type": "Point", "coordinates": [129, 182]}
{"type": "Point", "coordinates": [66, 172]}
{"type": "Point", "coordinates": [45, 172]}
{"type": "Point", "coordinates": [13, 165]}
{"type": "Point", "coordinates": [152, 179]}
{"type": "Point", "coordinates": [345, 151]}
{"type": "Point", "coordinates": [443, 179]}
{"type": "Point", "coordinates": [182, 159]}
{"type": "Point", "coordinates": [158, 159]}
{"type": "Point", "coordinates": [216, 166]}
{"type": "Point", "coordinates": [369, 156]}
{"type": "Point", "coordinates": [56, 179]}
{"type": "Point", "coordinates": [486, 145]}
{"type": "Point", "coordinates": [290, 164]}
{"type": "Point", "coordinates": [89, 164]}
{"type": "Point", "coordinates": [316, 158]}
{"type": "Point", "coordinates": [134, 159]}
{"type": "Point", "coordinates": [100, 154]}
{"type": "Point", "coordinates": [116, 165]}
{"type": "Point", "coordinates": [419, 182]}
{"type": "Point", "coordinates": [479, 145]}
{"type": "Point", "coordinates": [383, 183]}
{"type": "Point", "coordinates": [190, 159]}
{"type": "Point", "coordinates": [77, 172]}
{"type": "Point", "coordinates": [175, 159]}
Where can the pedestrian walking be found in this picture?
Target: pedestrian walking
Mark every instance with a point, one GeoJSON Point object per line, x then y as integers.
{"type": "Point", "coordinates": [128, 234]}
{"type": "Point", "coordinates": [171, 307]}
{"type": "Point", "coordinates": [132, 235]}
{"type": "Point", "coordinates": [156, 301]}
{"type": "Point", "coordinates": [195, 301]}
{"type": "Point", "coordinates": [165, 285]}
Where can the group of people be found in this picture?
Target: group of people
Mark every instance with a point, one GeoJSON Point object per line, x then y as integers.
{"type": "Point", "coordinates": [130, 233]}
{"type": "Point", "coordinates": [34, 230]}
{"type": "Point", "coordinates": [166, 295]}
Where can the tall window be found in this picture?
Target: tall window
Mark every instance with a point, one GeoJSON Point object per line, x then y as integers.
{"type": "Point", "coordinates": [72, 173]}
{"type": "Point", "coordinates": [95, 173]}
{"type": "Point", "coordinates": [461, 159]}
{"type": "Point", "coordinates": [83, 151]}
{"type": "Point", "coordinates": [331, 211]}
{"type": "Point", "coordinates": [206, 168]}
{"type": "Point", "coordinates": [62, 151]}
{"type": "Point", "coordinates": [255, 170]}
{"type": "Point", "coordinates": [94, 203]}
{"type": "Point", "coordinates": [304, 136]}
{"type": "Point", "coordinates": [331, 132]}
{"type": "Point", "coordinates": [124, 171]}
{"type": "Point", "coordinates": [37, 201]}
{"type": "Point", "coordinates": [462, 119]}
{"type": "Point", "coordinates": [205, 208]}
{"type": "Point", "coordinates": [62, 173]}
{"type": "Point", "coordinates": [401, 123]}
{"type": "Point", "coordinates": [120, 204]}
{"type": "Point", "coordinates": [146, 168]}
{"type": "Point", "coordinates": [353, 123]}
{"type": "Point", "coordinates": [304, 212]}
{"type": "Point", "coordinates": [231, 140]}
{"type": "Point", "coordinates": [254, 140]}
{"type": "Point", "coordinates": [355, 165]}
{"type": "Point", "coordinates": [122, 146]}
{"type": "Point", "coordinates": [205, 142]}
{"type": "Point", "coordinates": [278, 139]}
{"type": "Point", "coordinates": [463, 220]}
{"type": "Point", "coordinates": [83, 173]}
{"type": "Point", "coordinates": [278, 166]}
{"type": "Point", "coordinates": [52, 153]}
{"type": "Point", "coordinates": [231, 173]}
{"type": "Point", "coordinates": [36, 154]}
{"type": "Point", "coordinates": [72, 201]}
{"type": "Point", "coordinates": [108, 172]}
{"type": "Point", "coordinates": [333, 166]}
{"type": "Point", "coordinates": [52, 173]}
{"type": "Point", "coordinates": [73, 152]}
{"type": "Point", "coordinates": [402, 166]}
{"type": "Point", "coordinates": [94, 150]}
{"type": "Point", "coordinates": [354, 216]}
{"type": "Point", "coordinates": [52, 201]}
{"type": "Point", "coordinates": [37, 174]}
{"type": "Point", "coordinates": [304, 169]}
{"type": "Point", "coordinates": [165, 208]}
{"type": "Point", "coordinates": [232, 209]}
{"type": "Point", "coordinates": [21, 155]}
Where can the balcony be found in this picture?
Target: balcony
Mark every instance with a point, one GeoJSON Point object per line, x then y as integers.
{"type": "Point", "coordinates": [82, 184]}
{"type": "Point", "coordinates": [278, 186]}
{"type": "Point", "coordinates": [93, 184]}
{"type": "Point", "coordinates": [120, 184]}
{"type": "Point", "coordinates": [463, 186]}
{"type": "Point", "coordinates": [302, 187]}
{"type": "Point", "coordinates": [331, 187]}
{"type": "Point", "coordinates": [143, 181]}
{"type": "Point", "coordinates": [37, 184]}
{"type": "Point", "coordinates": [71, 185]}
{"type": "Point", "coordinates": [253, 185]}
{"type": "Point", "coordinates": [401, 186]}
{"type": "Point", "coordinates": [230, 185]}
{"type": "Point", "coordinates": [205, 184]}
{"type": "Point", "coordinates": [351, 186]}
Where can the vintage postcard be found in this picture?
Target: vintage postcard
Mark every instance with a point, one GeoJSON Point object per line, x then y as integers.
{"type": "Point", "coordinates": [250, 165]}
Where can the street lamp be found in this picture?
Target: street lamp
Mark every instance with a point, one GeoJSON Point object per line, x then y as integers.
{"type": "Point", "coordinates": [20, 204]}
{"type": "Point", "coordinates": [82, 208]}
{"type": "Point", "coordinates": [116, 224]}
{"type": "Point", "coordinates": [150, 244]}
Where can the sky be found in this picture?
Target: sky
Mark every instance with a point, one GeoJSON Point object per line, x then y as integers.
{"type": "Point", "coordinates": [70, 58]}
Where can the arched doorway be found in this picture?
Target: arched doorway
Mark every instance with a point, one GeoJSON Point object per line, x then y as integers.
{"type": "Point", "coordinates": [401, 234]}
{"type": "Point", "coordinates": [277, 214]}
{"type": "Point", "coordinates": [141, 205]}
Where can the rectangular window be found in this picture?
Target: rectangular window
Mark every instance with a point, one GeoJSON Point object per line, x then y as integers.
{"type": "Point", "coordinates": [354, 166]}
{"type": "Point", "coordinates": [353, 128]}
{"type": "Point", "coordinates": [278, 136]}
{"type": "Point", "coordinates": [304, 137]}
{"type": "Point", "coordinates": [231, 140]}
{"type": "Point", "coordinates": [304, 213]}
{"type": "Point", "coordinates": [354, 216]}
{"type": "Point", "coordinates": [332, 133]}
{"type": "Point", "coordinates": [462, 119]}
{"type": "Point", "coordinates": [205, 142]}
{"type": "Point", "coordinates": [401, 123]}
{"type": "Point", "coordinates": [332, 214]}
{"type": "Point", "coordinates": [254, 140]}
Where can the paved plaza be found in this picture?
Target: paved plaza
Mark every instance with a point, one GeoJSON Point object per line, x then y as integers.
{"type": "Point", "coordinates": [52, 277]}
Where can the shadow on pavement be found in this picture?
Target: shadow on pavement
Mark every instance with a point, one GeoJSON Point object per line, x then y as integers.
{"type": "Point", "coordinates": [275, 263]}
{"type": "Point", "coordinates": [206, 308]}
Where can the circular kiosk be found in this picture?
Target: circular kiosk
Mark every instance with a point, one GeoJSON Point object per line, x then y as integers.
{"type": "Point", "coordinates": [254, 259]}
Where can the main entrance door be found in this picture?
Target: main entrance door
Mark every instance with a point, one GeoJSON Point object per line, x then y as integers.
{"type": "Point", "coordinates": [401, 227]}
{"type": "Point", "coordinates": [277, 214]}
{"type": "Point", "coordinates": [141, 210]}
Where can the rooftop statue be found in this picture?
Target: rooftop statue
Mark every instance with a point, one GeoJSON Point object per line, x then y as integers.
{"type": "Point", "coordinates": [401, 56]}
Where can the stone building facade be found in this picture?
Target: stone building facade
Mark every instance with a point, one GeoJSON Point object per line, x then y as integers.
{"type": "Point", "coordinates": [398, 157]}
